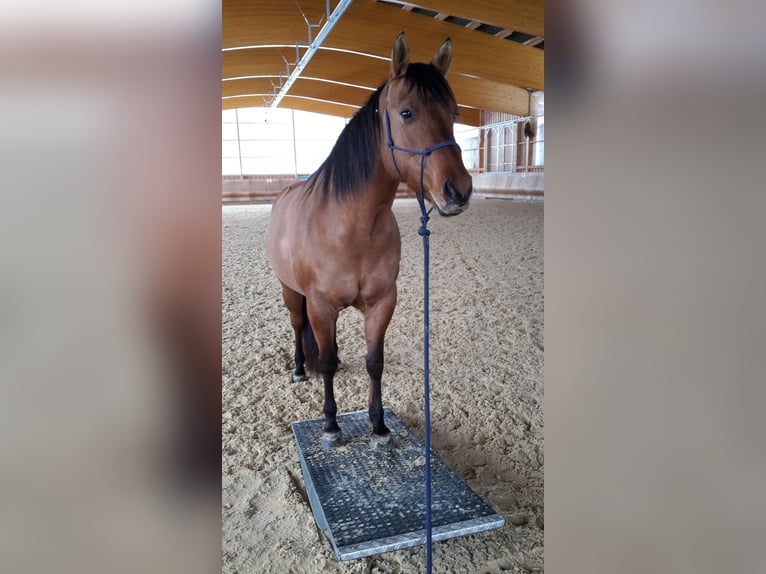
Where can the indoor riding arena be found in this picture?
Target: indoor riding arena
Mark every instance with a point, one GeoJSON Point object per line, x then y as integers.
{"type": "Point", "coordinates": [294, 76]}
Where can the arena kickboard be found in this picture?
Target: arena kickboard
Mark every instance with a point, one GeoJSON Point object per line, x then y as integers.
{"type": "Point", "coordinates": [370, 502]}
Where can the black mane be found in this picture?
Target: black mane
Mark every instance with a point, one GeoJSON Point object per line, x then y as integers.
{"type": "Point", "coordinates": [352, 160]}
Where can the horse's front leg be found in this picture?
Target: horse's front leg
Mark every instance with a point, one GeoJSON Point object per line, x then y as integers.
{"type": "Point", "coordinates": [323, 319]}
{"type": "Point", "coordinates": [376, 319]}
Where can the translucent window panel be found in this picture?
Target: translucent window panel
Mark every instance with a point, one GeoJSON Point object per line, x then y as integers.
{"type": "Point", "coordinates": [464, 129]}
{"type": "Point", "coordinates": [310, 126]}
{"type": "Point", "coordinates": [264, 115]}
{"type": "Point", "coordinates": [262, 131]}
{"type": "Point", "coordinates": [229, 116]}
{"type": "Point", "coordinates": [309, 163]}
{"type": "Point", "coordinates": [267, 149]}
{"type": "Point", "coordinates": [314, 148]}
{"type": "Point", "coordinates": [229, 131]}
{"type": "Point", "coordinates": [467, 138]}
{"type": "Point", "coordinates": [229, 149]}
{"type": "Point", "coordinates": [264, 165]}
{"type": "Point", "coordinates": [470, 148]}
{"type": "Point", "coordinates": [230, 166]}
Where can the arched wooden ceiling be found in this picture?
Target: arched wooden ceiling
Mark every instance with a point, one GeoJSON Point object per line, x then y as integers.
{"type": "Point", "coordinates": [497, 51]}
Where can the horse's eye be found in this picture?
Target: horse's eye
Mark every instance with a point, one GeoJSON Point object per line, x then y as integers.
{"type": "Point", "coordinates": [407, 115]}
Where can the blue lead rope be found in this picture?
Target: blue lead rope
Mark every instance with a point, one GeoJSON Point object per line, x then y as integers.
{"type": "Point", "coordinates": [424, 233]}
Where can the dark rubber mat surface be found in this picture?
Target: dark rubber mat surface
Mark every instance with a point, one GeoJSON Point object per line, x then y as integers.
{"type": "Point", "coordinates": [370, 502]}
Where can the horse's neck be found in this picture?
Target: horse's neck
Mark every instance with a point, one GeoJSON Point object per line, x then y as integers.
{"type": "Point", "coordinates": [380, 191]}
{"type": "Point", "coordinates": [362, 217]}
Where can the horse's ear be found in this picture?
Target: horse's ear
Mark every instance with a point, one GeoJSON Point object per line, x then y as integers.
{"type": "Point", "coordinates": [400, 56]}
{"type": "Point", "coordinates": [443, 57]}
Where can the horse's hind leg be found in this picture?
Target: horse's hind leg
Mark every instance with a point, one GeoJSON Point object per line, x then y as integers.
{"type": "Point", "coordinates": [376, 319]}
{"type": "Point", "coordinates": [296, 305]}
{"type": "Point", "coordinates": [323, 318]}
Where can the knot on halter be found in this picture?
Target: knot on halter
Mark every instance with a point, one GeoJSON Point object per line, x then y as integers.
{"type": "Point", "coordinates": [424, 231]}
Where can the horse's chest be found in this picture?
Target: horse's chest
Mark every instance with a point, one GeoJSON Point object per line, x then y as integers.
{"type": "Point", "coordinates": [362, 275]}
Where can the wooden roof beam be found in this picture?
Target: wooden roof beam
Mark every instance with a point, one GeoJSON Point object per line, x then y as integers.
{"type": "Point", "coordinates": [370, 27]}
{"type": "Point", "coordinates": [526, 16]}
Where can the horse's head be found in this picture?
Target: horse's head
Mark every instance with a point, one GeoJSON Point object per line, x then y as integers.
{"type": "Point", "coordinates": [418, 111]}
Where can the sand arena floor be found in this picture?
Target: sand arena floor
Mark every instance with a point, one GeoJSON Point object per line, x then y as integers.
{"type": "Point", "coordinates": [487, 351]}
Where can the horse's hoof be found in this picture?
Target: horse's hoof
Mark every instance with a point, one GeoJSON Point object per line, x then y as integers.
{"type": "Point", "coordinates": [300, 378]}
{"type": "Point", "coordinates": [384, 442]}
{"type": "Point", "coordinates": [332, 439]}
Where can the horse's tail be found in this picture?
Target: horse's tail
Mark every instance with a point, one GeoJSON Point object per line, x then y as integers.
{"type": "Point", "coordinates": [310, 347]}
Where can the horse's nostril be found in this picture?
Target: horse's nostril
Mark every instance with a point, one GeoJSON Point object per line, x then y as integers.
{"type": "Point", "coordinates": [449, 192]}
{"type": "Point", "coordinates": [452, 195]}
{"type": "Point", "coordinates": [467, 194]}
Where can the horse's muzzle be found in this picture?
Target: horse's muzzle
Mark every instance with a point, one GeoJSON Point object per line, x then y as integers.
{"type": "Point", "coordinates": [454, 201]}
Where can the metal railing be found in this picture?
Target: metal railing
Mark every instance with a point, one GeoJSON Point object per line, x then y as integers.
{"type": "Point", "coordinates": [509, 148]}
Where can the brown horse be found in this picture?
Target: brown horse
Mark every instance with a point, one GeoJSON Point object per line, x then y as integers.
{"type": "Point", "coordinates": [333, 241]}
